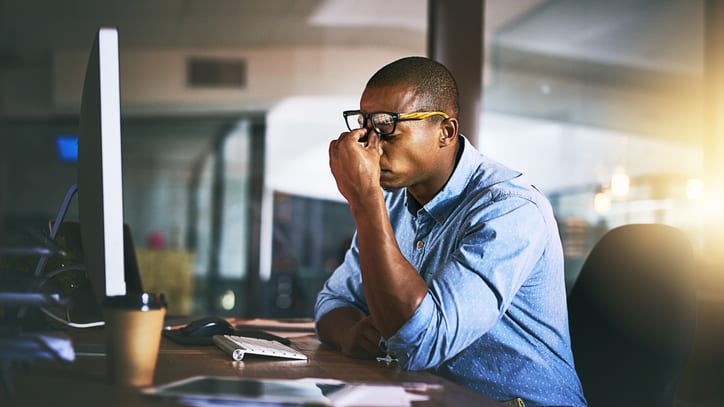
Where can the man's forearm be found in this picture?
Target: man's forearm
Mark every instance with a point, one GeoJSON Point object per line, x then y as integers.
{"type": "Point", "coordinates": [393, 288]}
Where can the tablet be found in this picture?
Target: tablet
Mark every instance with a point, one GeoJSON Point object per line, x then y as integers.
{"type": "Point", "coordinates": [219, 389]}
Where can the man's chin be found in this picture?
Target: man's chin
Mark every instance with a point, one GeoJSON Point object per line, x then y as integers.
{"type": "Point", "coordinates": [391, 180]}
{"type": "Point", "coordinates": [390, 189]}
{"type": "Point", "coordinates": [388, 185]}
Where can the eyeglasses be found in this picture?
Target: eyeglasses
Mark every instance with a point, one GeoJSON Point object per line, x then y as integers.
{"type": "Point", "coordinates": [384, 123]}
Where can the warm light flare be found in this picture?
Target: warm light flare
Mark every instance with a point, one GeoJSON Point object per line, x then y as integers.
{"type": "Point", "coordinates": [620, 184]}
{"type": "Point", "coordinates": [601, 202]}
{"type": "Point", "coordinates": [714, 207]}
{"type": "Point", "coordinates": [694, 189]}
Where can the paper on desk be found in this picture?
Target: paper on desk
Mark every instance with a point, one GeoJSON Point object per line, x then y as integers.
{"type": "Point", "coordinates": [367, 395]}
{"type": "Point", "coordinates": [352, 395]}
{"type": "Point", "coordinates": [370, 395]}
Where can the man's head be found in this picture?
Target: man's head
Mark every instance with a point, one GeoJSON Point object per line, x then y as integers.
{"type": "Point", "coordinates": [433, 84]}
{"type": "Point", "coordinates": [420, 153]}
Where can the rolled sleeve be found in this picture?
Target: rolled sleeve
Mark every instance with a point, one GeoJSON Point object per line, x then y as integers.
{"type": "Point", "coordinates": [343, 288]}
{"type": "Point", "coordinates": [411, 332]}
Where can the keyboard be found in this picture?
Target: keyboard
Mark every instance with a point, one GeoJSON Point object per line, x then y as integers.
{"type": "Point", "coordinates": [239, 346]}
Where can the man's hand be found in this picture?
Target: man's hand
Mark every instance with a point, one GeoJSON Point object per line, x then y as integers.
{"type": "Point", "coordinates": [352, 332]}
{"type": "Point", "coordinates": [356, 164]}
{"type": "Point", "coordinates": [362, 340]}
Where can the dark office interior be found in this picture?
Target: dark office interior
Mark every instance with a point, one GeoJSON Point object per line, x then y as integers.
{"type": "Point", "coordinates": [613, 108]}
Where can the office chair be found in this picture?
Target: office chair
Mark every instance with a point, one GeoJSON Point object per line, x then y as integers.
{"type": "Point", "coordinates": [632, 314]}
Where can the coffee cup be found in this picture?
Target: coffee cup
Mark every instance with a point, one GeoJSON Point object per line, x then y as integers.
{"type": "Point", "coordinates": [133, 336]}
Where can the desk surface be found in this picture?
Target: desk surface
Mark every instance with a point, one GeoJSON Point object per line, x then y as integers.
{"type": "Point", "coordinates": [83, 383]}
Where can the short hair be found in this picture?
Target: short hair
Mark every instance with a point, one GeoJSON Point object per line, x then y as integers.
{"type": "Point", "coordinates": [432, 81]}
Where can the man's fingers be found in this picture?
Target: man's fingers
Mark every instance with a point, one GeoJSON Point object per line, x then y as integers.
{"type": "Point", "coordinates": [355, 136]}
{"type": "Point", "coordinates": [332, 145]}
{"type": "Point", "coordinates": [371, 347]}
{"type": "Point", "coordinates": [370, 337]}
{"type": "Point", "coordinates": [373, 140]}
{"type": "Point", "coordinates": [360, 135]}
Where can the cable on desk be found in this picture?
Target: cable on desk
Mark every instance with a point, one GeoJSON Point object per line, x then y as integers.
{"type": "Point", "coordinates": [66, 322]}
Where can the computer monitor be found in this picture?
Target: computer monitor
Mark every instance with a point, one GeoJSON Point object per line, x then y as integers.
{"type": "Point", "coordinates": [100, 182]}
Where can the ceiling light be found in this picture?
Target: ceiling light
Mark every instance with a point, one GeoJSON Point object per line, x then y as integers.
{"type": "Point", "coordinates": [620, 184]}
{"type": "Point", "coordinates": [408, 14]}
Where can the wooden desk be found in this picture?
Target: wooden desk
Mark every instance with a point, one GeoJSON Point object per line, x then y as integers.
{"type": "Point", "coordinates": [83, 383]}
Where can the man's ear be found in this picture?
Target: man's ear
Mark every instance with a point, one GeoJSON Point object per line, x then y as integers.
{"type": "Point", "coordinates": [448, 131]}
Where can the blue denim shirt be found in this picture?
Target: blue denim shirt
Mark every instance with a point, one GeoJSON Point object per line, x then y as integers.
{"type": "Point", "coordinates": [494, 318]}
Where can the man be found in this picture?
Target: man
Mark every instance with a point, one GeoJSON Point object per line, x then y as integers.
{"type": "Point", "coordinates": [456, 265]}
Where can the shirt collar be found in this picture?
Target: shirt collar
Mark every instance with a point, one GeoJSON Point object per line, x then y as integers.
{"type": "Point", "coordinates": [471, 163]}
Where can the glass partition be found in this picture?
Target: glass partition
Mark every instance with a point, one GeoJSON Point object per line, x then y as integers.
{"type": "Point", "coordinates": [601, 104]}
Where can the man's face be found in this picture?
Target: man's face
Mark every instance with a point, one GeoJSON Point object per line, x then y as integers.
{"type": "Point", "coordinates": [410, 154]}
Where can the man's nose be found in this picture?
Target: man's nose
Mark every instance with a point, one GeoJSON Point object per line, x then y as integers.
{"type": "Point", "coordinates": [367, 124]}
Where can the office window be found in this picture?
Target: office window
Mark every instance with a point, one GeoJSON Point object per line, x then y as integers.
{"type": "Point", "coordinates": [187, 201]}
{"type": "Point", "coordinates": [600, 103]}
{"type": "Point", "coordinates": [309, 239]}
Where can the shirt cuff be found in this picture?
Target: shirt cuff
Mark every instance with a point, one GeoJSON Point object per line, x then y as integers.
{"type": "Point", "coordinates": [407, 339]}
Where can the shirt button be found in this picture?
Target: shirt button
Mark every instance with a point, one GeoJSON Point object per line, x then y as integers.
{"type": "Point", "coordinates": [420, 244]}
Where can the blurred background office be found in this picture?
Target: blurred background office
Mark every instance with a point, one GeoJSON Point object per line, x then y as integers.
{"type": "Point", "coordinates": [228, 107]}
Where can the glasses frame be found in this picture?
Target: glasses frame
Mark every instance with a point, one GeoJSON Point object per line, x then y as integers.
{"type": "Point", "coordinates": [396, 118]}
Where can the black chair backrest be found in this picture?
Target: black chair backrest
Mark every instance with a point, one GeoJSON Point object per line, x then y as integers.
{"type": "Point", "coordinates": [632, 315]}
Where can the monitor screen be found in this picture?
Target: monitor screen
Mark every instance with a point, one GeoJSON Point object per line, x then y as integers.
{"type": "Point", "coordinates": [67, 147]}
{"type": "Point", "coordinates": [100, 194]}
